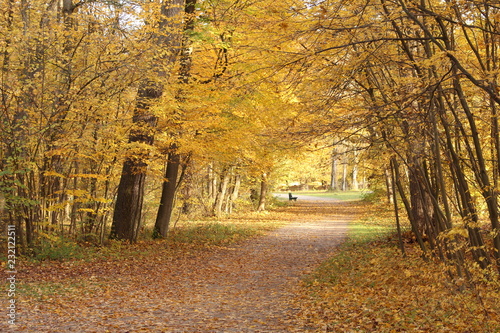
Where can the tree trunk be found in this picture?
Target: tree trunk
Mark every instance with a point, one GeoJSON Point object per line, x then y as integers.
{"type": "Point", "coordinates": [334, 186]}
{"type": "Point", "coordinates": [234, 194]}
{"type": "Point", "coordinates": [344, 174]}
{"type": "Point", "coordinates": [167, 195]}
{"type": "Point", "coordinates": [392, 177]}
{"type": "Point", "coordinates": [221, 195]}
{"type": "Point", "coordinates": [187, 189]}
{"type": "Point", "coordinates": [263, 193]}
{"type": "Point", "coordinates": [355, 184]}
{"type": "Point", "coordinates": [399, 185]}
{"type": "Point", "coordinates": [236, 189]}
{"type": "Point", "coordinates": [128, 206]}
{"type": "Point", "coordinates": [211, 183]}
{"type": "Point", "coordinates": [170, 184]}
{"type": "Point", "coordinates": [129, 200]}
{"type": "Point", "coordinates": [389, 185]}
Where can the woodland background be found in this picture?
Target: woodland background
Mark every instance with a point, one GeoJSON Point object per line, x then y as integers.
{"type": "Point", "coordinates": [119, 116]}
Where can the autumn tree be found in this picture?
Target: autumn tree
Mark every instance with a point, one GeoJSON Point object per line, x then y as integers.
{"type": "Point", "coordinates": [67, 69]}
{"type": "Point", "coordinates": [413, 74]}
{"type": "Point", "coordinates": [170, 183]}
{"type": "Point", "coordinates": [128, 207]}
{"type": "Point", "coordinates": [221, 109]}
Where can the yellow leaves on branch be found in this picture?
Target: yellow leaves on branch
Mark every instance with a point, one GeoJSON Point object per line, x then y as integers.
{"type": "Point", "coordinates": [90, 175]}
{"type": "Point", "coordinates": [50, 173]}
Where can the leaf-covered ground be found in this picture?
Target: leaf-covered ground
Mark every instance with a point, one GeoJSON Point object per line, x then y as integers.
{"type": "Point", "coordinates": [243, 287]}
{"type": "Point", "coordinates": [296, 278]}
{"type": "Point", "coordinates": [367, 286]}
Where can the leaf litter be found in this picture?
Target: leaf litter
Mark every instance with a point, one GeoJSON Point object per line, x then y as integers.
{"type": "Point", "coordinates": [293, 279]}
{"type": "Point", "coordinates": [248, 286]}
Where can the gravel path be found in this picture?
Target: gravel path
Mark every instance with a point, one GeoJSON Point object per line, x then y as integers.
{"type": "Point", "coordinates": [243, 288]}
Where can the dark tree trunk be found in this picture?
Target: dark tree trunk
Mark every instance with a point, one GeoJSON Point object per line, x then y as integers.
{"type": "Point", "coordinates": [395, 202]}
{"type": "Point", "coordinates": [129, 200]}
{"type": "Point", "coordinates": [128, 207]}
{"type": "Point", "coordinates": [167, 196]}
{"type": "Point", "coordinates": [406, 202]}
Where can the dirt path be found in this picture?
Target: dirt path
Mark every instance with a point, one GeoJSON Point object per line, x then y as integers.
{"type": "Point", "coordinates": [244, 288]}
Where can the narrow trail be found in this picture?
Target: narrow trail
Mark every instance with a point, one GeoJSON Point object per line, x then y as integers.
{"type": "Point", "coordinates": [247, 287]}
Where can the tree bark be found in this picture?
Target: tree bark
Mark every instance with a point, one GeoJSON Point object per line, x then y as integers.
{"type": "Point", "coordinates": [344, 174]}
{"type": "Point", "coordinates": [355, 168]}
{"type": "Point", "coordinates": [389, 184]}
{"type": "Point", "coordinates": [334, 186]}
{"type": "Point", "coordinates": [167, 195]}
{"type": "Point", "coordinates": [263, 193]}
{"type": "Point", "coordinates": [128, 208]}
{"type": "Point", "coordinates": [130, 195]}
{"type": "Point", "coordinates": [392, 178]}
{"type": "Point", "coordinates": [211, 183]}
{"type": "Point", "coordinates": [222, 192]}
{"type": "Point", "coordinates": [234, 194]}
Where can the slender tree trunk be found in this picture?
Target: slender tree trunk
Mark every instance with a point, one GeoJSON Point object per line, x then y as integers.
{"type": "Point", "coordinates": [389, 184]}
{"type": "Point", "coordinates": [236, 189]}
{"type": "Point", "coordinates": [167, 195]}
{"type": "Point", "coordinates": [334, 186]}
{"type": "Point", "coordinates": [408, 208]}
{"type": "Point", "coordinates": [263, 192]}
{"type": "Point", "coordinates": [211, 183]}
{"type": "Point", "coordinates": [344, 174]}
{"type": "Point", "coordinates": [489, 194]}
{"type": "Point", "coordinates": [395, 202]}
{"type": "Point", "coordinates": [221, 195]}
{"type": "Point", "coordinates": [355, 169]}
{"type": "Point", "coordinates": [188, 187]}
{"type": "Point", "coordinates": [235, 192]}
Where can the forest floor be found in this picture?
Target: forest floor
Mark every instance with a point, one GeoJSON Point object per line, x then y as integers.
{"type": "Point", "coordinates": [244, 287]}
{"type": "Point", "coordinates": [303, 273]}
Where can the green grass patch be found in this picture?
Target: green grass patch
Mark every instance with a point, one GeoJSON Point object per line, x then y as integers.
{"type": "Point", "coordinates": [57, 248]}
{"type": "Point", "coordinates": [213, 233]}
{"type": "Point", "coordinates": [339, 195]}
{"type": "Point", "coordinates": [41, 291]}
{"type": "Point", "coordinates": [359, 235]}
{"type": "Point", "coordinates": [368, 228]}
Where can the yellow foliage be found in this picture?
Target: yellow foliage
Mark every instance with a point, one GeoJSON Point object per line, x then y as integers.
{"type": "Point", "coordinates": [49, 173]}
{"type": "Point", "coordinates": [77, 193]}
